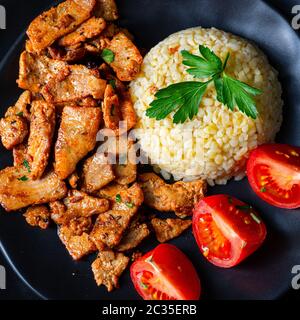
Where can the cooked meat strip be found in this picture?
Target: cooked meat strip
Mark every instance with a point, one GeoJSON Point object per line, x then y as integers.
{"type": "Point", "coordinates": [21, 106]}
{"type": "Point", "coordinates": [75, 236]}
{"type": "Point", "coordinates": [74, 83]}
{"type": "Point", "coordinates": [18, 191]}
{"type": "Point", "coordinates": [58, 21]}
{"type": "Point", "coordinates": [38, 216]}
{"type": "Point", "coordinates": [76, 138]}
{"type": "Point", "coordinates": [108, 267]}
{"type": "Point", "coordinates": [128, 60]}
{"type": "Point", "coordinates": [73, 180]}
{"type": "Point", "coordinates": [135, 234]}
{"type": "Point", "coordinates": [96, 45]}
{"type": "Point", "coordinates": [116, 109]}
{"type": "Point", "coordinates": [110, 226]}
{"type": "Point", "coordinates": [13, 131]}
{"type": "Point", "coordinates": [97, 173]}
{"type": "Point", "coordinates": [14, 127]}
{"type": "Point", "coordinates": [179, 197]}
{"type": "Point", "coordinates": [111, 109]}
{"type": "Point", "coordinates": [167, 229]}
{"type": "Point", "coordinates": [36, 71]}
{"type": "Point", "coordinates": [19, 154]}
{"type": "Point", "coordinates": [68, 54]}
{"type": "Point", "coordinates": [125, 173]}
{"type": "Point", "coordinates": [106, 9]}
{"type": "Point", "coordinates": [127, 111]}
{"type": "Point", "coordinates": [77, 204]}
{"type": "Point", "coordinates": [88, 30]}
{"type": "Point", "coordinates": [42, 128]}
{"type": "Point", "coordinates": [109, 192]}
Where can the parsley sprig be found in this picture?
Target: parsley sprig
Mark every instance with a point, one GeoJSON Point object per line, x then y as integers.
{"type": "Point", "coordinates": [185, 97]}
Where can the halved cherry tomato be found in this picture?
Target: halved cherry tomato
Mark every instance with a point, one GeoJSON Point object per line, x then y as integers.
{"type": "Point", "coordinates": [165, 273]}
{"type": "Point", "coordinates": [227, 230]}
{"type": "Point", "coordinates": [273, 172]}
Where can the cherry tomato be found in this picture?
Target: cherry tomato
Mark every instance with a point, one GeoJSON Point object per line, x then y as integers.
{"type": "Point", "coordinates": [273, 172]}
{"type": "Point", "coordinates": [165, 273]}
{"type": "Point", "coordinates": [227, 230]}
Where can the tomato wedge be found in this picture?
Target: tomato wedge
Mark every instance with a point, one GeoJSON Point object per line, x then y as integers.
{"type": "Point", "coordinates": [227, 230]}
{"type": "Point", "coordinates": [165, 273]}
{"type": "Point", "coordinates": [273, 172]}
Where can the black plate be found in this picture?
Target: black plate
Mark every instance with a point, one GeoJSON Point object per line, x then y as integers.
{"type": "Point", "coordinates": [40, 258]}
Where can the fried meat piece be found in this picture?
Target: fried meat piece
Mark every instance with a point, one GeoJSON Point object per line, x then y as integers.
{"type": "Point", "coordinates": [125, 173]}
{"type": "Point", "coordinates": [19, 154]}
{"type": "Point", "coordinates": [68, 54]}
{"type": "Point", "coordinates": [135, 234]}
{"type": "Point", "coordinates": [18, 191]}
{"type": "Point", "coordinates": [179, 197]}
{"type": "Point", "coordinates": [106, 9]}
{"type": "Point", "coordinates": [74, 83]}
{"type": "Point", "coordinates": [108, 267]}
{"type": "Point", "coordinates": [58, 21]}
{"type": "Point", "coordinates": [77, 204]}
{"type": "Point", "coordinates": [38, 216]}
{"type": "Point", "coordinates": [109, 192]}
{"type": "Point", "coordinates": [35, 71]}
{"type": "Point", "coordinates": [21, 106]}
{"type": "Point", "coordinates": [97, 173]}
{"type": "Point", "coordinates": [111, 109]}
{"type": "Point", "coordinates": [76, 138]}
{"type": "Point", "coordinates": [73, 180]}
{"type": "Point", "coordinates": [128, 60]}
{"type": "Point", "coordinates": [14, 127]}
{"type": "Point", "coordinates": [118, 111]}
{"type": "Point", "coordinates": [42, 127]}
{"type": "Point", "coordinates": [75, 236]}
{"type": "Point", "coordinates": [167, 229]}
{"type": "Point", "coordinates": [88, 30]}
{"type": "Point", "coordinates": [111, 225]}
{"type": "Point", "coordinates": [13, 131]}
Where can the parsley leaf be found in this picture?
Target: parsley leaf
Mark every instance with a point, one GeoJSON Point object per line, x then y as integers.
{"type": "Point", "coordinates": [118, 198]}
{"type": "Point", "coordinates": [237, 93]}
{"type": "Point", "coordinates": [112, 82]}
{"type": "Point", "coordinates": [108, 56]}
{"type": "Point", "coordinates": [24, 178]}
{"type": "Point", "coordinates": [184, 96]}
{"type": "Point", "coordinates": [26, 165]}
{"type": "Point", "coordinates": [208, 66]}
{"type": "Point", "coordinates": [20, 114]}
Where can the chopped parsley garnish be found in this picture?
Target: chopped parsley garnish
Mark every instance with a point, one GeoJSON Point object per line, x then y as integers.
{"type": "Point", "coordinates": [129, 205]}
{"type": "Point", "coordinates": [26, 165]}
{"type": "Point", "coordinates": [112, 82]}
{"type": "Point", "coordinates": [185, 97]}
{"type": "Point", "coordinates": [24, 178]}
{"type": "Point", "coordinates": [118, 198]}
{"type": "Point", "coordinates": [263, 189]}
{"type": "Point", "coordinates": [108, 56]}
{"type": "Point", "coordinates": [20, 114]}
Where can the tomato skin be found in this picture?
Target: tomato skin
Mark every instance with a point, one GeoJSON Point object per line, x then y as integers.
{"type": "Point", "coordinates": [171, 267]}
{"type": "Point", "coordinates": [279, 165]}
{"type": "Point", "coordinates": [235, 225]}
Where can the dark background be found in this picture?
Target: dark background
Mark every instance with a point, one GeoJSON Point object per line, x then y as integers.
{"type": "Point", "coordinates": [19, 14]}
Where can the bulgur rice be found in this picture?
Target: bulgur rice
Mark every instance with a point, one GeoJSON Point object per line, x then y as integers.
{"type": "Point", "coordinates": [214, 145]}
